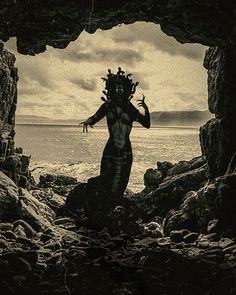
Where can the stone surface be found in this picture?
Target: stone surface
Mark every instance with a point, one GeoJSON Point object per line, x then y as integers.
{"type": "Point", "coordinates": [8, 100]}
{"type": "Point", "coordinates": [63, 256]}
{"type": "Point", "coordinates": [9, 198]}
{"type": "Point", "coordinates": [58, 23]}
{"type": "Point", "coordinates": [170, 192]}
{"type": "Point", "coordinates": [217, 136]}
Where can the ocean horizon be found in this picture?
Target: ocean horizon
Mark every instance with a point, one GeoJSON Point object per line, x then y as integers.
{"type": "Point", "coordinates": [65, 149]}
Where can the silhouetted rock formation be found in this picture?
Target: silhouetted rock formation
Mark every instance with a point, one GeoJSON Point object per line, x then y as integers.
{"type": "Point", "coordinates": [218, 138]}
{"type": "Point", "coordinates": [178, 118]}
{"type": "Point", "coordinates": [12, 161]}
{"type": "Point", "coordinates": [40, 23]}
{"type": "Point", "coordinates": [43, 249]}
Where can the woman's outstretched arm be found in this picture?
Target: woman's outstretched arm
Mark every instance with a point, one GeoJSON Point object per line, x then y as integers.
{"type": "Point", "coordinates": [101, 112]}
{"type": "Point", "coordinates": [143, 119]}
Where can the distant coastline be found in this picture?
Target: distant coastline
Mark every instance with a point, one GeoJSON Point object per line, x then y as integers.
{"type": "Point", "coordinates": [158, 119]}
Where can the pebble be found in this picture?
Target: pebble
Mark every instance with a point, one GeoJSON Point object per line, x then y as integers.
{"type": "Point", "coordinates": [3, 243]}
{"type": "Point", "coordinates": [6, 226]}
{"type": "Point", "coordinates": [176, 236]}
{"type": "Point", "coordinates": [190, 238]}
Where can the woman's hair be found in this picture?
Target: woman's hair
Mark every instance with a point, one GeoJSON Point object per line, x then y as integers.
{"type": "Point", "coordinates": [119, 83]}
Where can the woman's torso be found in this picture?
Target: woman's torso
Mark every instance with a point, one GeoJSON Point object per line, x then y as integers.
{"type": "Point", "coordinates": [119, 121]}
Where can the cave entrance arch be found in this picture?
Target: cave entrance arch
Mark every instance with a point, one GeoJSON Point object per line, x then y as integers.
{"type": "Point", "coordinates": [170, 74]}
{"type": "Point", "coordinates": [212, 24]}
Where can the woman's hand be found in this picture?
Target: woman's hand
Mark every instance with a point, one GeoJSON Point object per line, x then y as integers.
{"type": "Point", "coordinates": [142, 103]}
{"type": "Point", "coordinates": [85, 125]}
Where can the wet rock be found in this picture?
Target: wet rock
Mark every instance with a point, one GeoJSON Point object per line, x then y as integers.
{"type": "Point", "coordinates": [8, 234]}
{"type": "Point", "coordinates": [170, 193]}
{"type": "Point", "coordinates": [30, 232]}
{"type": "Point", "coordinates": [8, 198]}
{"type": "Point", "coordinates": [164, 167]}
{"type": "Point", "coordinates": [6, 226]}
{"type": "Point", "coordinates": [153, 229]}
{"type": "Point", "coordinates": [37, 214]}
{"type": "Point", "coordinates": [193, 214]}
{"type": "Point", "coordinates": [3, 243]}
{"type": "Point", "coordinates": [49, 197]}
{"type": "Point", "coordinates": [213, 226]}
{"type": "Point", "coordinates": [225, 243]}
{"type": "Point", "coordinates": [185, 166]}
{"type": "Point", "coordinates": [60, 184]}
{"type": "Point", "coordinates": [49, 180]}
{"type": "Point", "coordinates": [152, 178]}
{"type": "Point", "coordinates": [19, 230]}
{"type": "Point", "coordinates": [191, 237]}
{"type": "Point", "coordinates": [176, 236]}
{"type": "Point", "coordinates": [53, 245]}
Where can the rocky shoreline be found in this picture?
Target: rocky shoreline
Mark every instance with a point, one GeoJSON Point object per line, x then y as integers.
{"type": "Point", "coordinates": [167, 239]}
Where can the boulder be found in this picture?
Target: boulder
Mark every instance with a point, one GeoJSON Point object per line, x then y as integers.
{"type": "Point", "coordinates": [185, 166]}
{"type": "Point", "coordinates": [37, 214]}
{"type": "Point", "coordinates": [152, 178]}
{"type": "Point", "coordinates": [9, 199]}
{"type": "Point", "coordinates": [170, 193]}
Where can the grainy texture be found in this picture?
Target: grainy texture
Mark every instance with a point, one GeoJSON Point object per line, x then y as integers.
{"type": "Point", "coordinates": [56, 23]}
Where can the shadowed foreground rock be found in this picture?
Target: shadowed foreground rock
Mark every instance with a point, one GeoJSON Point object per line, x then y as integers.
{"type": "Point", "coordinates": [46, 250]}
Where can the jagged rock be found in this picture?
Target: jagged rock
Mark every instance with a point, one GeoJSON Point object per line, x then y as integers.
{"type": "Point", "coordinates": [152, 178]}
{"type": "Point", "coordinates": [164, 167]}
{"type": "Point", "coordinates": [6, 226]}
{"type": "Point", "coordinates": [37, 214]}
{"type": "Point", "coordinates": [8, 199]}
{"type": "Point", "coordinates": [58, 24]}
{"type": "Point", "coordinates": [185, 166]}
{"type": "Point", "coordinates": [193, 214]}
{"type": "Point", "coordinates": [217, 136]}
{"type": "Point", "coordinates": [170, 193]}
{"type": "Point", "coordinates": [49, 180]}
{"type": "Point", "coordinates": [153, 229]}
{"type": "Point", "coordinates": [213, 226]}
{"type": "Point", "coordinates": [176, 236]}
{"type": "Point", "coordinates": [191, 237]}
{"type": "Point", "coordinates": [30, 232]}
{"type": "Point", "coordinates": [49, 197]}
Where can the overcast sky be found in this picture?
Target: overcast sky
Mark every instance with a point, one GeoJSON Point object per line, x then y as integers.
{"type": "Point", "coordinates": [66, 84]}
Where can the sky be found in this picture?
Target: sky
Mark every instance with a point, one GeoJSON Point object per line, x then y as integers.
{"type": "Point", "coordinates": [67, 84]}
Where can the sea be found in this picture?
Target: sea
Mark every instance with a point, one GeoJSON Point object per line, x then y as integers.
{"type": "Point", "coordinates": [65, 149]}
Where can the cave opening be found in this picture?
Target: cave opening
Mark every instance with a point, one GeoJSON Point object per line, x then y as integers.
{"type": "Point", "coordinates": [65, 236]}
{"type": "Point", "coordinates": [62, 87]}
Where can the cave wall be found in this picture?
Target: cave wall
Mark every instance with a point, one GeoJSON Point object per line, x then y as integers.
{"type": "Point", "coordinates": [13, 162]}
{"type": "Point", "coordinates": [38, 23]}
{"type": "Point", "coordinates": [218, 140]}
{"type": "Point", "coordinates": [8, 101]}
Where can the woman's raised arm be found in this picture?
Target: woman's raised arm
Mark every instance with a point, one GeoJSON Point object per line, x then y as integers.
{"type": "Point", "coordinates": [101, 112]}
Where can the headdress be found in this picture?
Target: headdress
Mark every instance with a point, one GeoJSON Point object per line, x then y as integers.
{"type": "Point", "coordinates": [118, 83]}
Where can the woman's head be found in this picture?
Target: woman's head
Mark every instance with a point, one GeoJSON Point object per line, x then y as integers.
{"type": "Point", "coordinates": [119, 87]}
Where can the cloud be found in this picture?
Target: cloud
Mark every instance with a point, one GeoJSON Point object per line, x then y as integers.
{"type": "Point", "coordinates": [25, 90]}
{"type": "Point", "coordinates": [152, 35]}
{"type": "Point", "coordinates": [139, 77]}
{"type": "Point", "coordinates": [192, 100]}
{"type": "Point", "coordinates": [89, 84]}
{"type": "Point", "coordinates": [114, 55]}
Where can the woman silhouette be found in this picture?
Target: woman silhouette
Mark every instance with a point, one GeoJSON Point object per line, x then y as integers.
{"type": "Point", "coordinates": [120, 114]}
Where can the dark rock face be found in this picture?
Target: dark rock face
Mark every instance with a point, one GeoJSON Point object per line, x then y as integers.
{"type": "Point", "coordinates": [160, 197]}
{"type": "Point", "coordinates": [12, 161]}
{"type": "Point", "coordinates": [8, 100]}
{"type": "Point", "coordinates": [40, 23]}
{"type": "Point", "coordinates": [218, 139]}
{"type": "Point", "coordinates": [41, 251]}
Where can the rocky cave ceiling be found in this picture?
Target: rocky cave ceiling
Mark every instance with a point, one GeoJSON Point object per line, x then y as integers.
{"type": "Point", "coordinates": [38, 23]}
